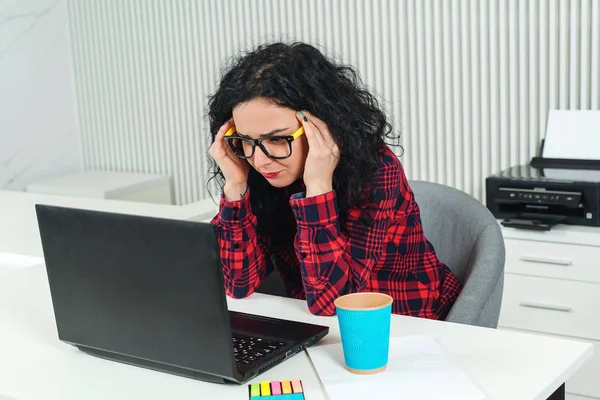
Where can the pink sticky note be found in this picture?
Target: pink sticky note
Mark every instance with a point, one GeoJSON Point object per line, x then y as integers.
{"type": "Point", "coordinates": [275, 388]}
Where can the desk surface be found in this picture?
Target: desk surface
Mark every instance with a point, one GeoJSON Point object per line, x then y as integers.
{"type": "Point", "coordinates": [34, 364]}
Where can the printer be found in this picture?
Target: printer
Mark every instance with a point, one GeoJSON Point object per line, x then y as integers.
{"type": "Point", "coordinates": [551, 189]}
{"type": "Point", "coordinates": [524, 197]}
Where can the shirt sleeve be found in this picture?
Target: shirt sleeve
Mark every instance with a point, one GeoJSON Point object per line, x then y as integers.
{"type": "Point", "coordinates": [241, 249]}
{"type": "Point", "coordinates": [333, 264]}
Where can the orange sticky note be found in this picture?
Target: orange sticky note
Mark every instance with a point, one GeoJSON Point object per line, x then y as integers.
{"type": "Point", "coordinates": [297, 386]}
{"type": "Point", "coordinates": [286, 387]}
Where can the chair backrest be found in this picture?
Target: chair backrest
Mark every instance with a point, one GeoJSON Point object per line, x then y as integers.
{"type": "Point", "coordinates": [468, 239]}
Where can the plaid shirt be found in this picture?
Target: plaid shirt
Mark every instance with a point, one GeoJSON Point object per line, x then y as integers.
{"type": "Point", "coordinates": [392, 256]}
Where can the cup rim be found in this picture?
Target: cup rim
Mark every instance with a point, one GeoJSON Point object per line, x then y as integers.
{"type": "Point", "coordinates": [389, 300]}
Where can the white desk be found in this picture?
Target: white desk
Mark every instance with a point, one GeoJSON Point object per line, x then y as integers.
{"type": "Point", "coordinates": [34, 364]}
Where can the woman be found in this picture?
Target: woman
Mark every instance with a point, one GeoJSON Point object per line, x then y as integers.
{"type": "Point", "coordinates": [310, 186]}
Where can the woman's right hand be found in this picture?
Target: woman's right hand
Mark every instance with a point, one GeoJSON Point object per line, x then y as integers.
{"type": "Point", "coordinates": [234, 169]}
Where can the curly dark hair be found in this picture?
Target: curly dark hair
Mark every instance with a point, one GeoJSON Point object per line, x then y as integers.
{"type": "Point", "coordinates": [300, 77]}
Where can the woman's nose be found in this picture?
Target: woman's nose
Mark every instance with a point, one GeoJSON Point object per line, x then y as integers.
{"type": "Point", "coordinates": [260, 158]}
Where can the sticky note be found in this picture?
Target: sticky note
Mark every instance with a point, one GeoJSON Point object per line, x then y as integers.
{"type": "Point", "coordinates": [275, 388]}
{"type": "Point", "coordinates": [297, 386]}
{"type": "Point", "coordinates": [265, 388]}
{"type": "Point", "coordinates": [254, 390]}
{"type": "Point", "coordinates": [286, 387]}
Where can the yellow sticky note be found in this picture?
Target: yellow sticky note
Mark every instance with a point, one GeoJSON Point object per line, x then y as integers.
{"type": "Point", "coordinates": [265, 388]}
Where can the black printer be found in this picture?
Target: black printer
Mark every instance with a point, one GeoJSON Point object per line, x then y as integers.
{"type": "Point", "coordinates": [545, 193]}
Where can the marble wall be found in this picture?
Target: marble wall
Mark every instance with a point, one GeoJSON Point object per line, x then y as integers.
{"type": "Point", "coordinates": [38, 129]}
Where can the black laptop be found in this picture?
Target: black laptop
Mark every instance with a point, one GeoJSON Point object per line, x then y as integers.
{"type": "Point", "coordinates": [149, 292]}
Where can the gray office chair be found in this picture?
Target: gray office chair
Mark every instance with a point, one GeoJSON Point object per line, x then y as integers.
{"type": "Point", "coordinates": [467, 238]}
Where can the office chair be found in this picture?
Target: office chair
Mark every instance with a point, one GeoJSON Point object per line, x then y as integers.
{"type": "Point", "coordinates": [467, 238]}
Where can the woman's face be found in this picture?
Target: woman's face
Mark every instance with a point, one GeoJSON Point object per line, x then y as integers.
{"type": "Point", "coordinates": [261, 117]}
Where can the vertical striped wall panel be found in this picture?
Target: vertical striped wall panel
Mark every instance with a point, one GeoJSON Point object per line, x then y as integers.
{"type": "Point", "coordinates": [467, 83]}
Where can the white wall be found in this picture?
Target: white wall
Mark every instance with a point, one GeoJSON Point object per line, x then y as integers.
{"type": "Point", "coordinates": [38, 131]}
{"type": "Point", "coordinates": [468, 83]}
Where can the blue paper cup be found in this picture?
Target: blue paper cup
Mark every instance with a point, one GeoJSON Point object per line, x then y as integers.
{"type": "Point", "coordinates": [364, 320]}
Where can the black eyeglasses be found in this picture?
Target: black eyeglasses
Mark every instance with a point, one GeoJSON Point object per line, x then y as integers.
{"type": "Point", "coordinates": [277, 147]}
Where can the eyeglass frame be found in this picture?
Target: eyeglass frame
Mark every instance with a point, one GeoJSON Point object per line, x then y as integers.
{"type": "Point", "coordinates": [229, 136]}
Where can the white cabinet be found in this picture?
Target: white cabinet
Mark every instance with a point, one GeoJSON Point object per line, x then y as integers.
{"type": "Point", "coordinates": [127, 186]}
{"type": "Point", "coordinates": [552, 287]}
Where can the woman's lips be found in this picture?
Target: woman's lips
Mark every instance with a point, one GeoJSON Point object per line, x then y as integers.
{"type": "Point", "coordinates": [270, 175]}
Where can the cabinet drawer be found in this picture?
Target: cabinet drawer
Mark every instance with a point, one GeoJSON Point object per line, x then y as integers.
{"type": "Point", "coordinates": [551, 306]}
{"type": "Point", "coordinates": [563, 261]}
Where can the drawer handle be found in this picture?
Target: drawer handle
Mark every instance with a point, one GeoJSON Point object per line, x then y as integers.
{"type": "Point", "coordinates": [545, 306]}
{"type": "Point", "coordinates": [544, 260]}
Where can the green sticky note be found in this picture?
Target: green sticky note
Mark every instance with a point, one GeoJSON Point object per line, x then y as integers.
{"type": "Point", "coordinates": [255, 390]}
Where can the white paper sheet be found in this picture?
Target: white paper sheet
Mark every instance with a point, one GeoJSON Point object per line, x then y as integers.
{"type": "Point", "coordinates": [418, 368]}
{"type": "Point", "coordinates": [572, 134]}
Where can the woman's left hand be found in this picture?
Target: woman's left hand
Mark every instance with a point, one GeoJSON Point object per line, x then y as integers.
{"type": "Point", "coordinates": [323, 155]}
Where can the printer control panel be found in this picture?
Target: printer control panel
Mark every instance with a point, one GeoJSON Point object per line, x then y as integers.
{"type": "Point", "coordinates": [534, 196]}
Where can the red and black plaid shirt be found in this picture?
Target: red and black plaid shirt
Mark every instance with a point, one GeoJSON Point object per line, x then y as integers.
{"type": "Point", "coordinates": [391, 256]}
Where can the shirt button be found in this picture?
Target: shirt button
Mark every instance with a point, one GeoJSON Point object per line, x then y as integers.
{"type": "Point", "coordinates": [236, 208]}
{"type": "Point", "coordinates": [299, 217]}
{"type": "Point", "coordinates": [303, 254]}
{"type": "Point", "coordinates": [235, 218]}
{"type": "Point", "coordinates": [295, 207]}
{"type": "Point", "coordinates": [236, 246]}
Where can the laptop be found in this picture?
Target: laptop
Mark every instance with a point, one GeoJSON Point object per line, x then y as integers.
{"type": "Point", "coordinates": [149, 292]}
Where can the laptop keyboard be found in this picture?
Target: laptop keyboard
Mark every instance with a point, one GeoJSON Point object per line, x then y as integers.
{"type": "Point", "coordinates": [248, 349]}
